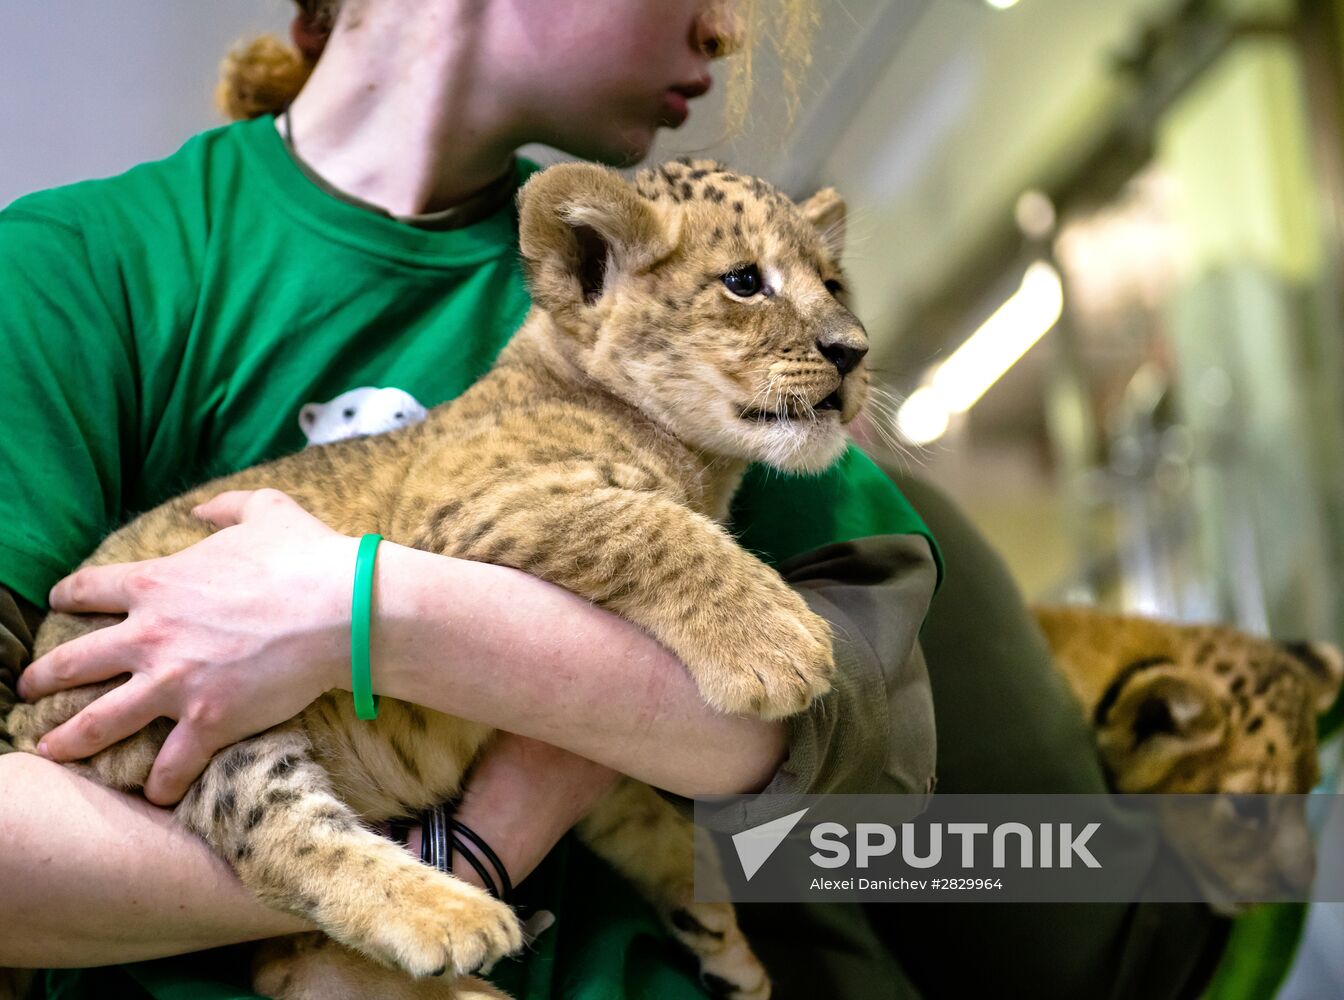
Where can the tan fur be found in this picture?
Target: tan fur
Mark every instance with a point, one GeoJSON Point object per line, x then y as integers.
{"type": "Point", "coordinates": [600, 454]}
{"type": "Point", "coordinates": [1203, 709]}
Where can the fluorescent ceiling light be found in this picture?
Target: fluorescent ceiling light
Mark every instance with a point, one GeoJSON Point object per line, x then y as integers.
{"type": "Point", "coordinates": [922, 419]}
{"type": "Point", "coordinates": [1007, 335]}
{"type": "Point", "coordinates": [1001, 4]}
{"type": "Point", "coordinates": [959, 382]}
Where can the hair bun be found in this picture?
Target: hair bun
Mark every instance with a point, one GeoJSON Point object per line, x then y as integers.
{"type": "Point", "coordinates": [260, 77]}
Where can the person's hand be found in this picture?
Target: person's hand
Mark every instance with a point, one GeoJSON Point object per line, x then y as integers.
{"type": "Point", "coordinates": [229, 637]}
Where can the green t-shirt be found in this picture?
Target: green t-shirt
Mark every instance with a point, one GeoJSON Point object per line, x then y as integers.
{"type": "Point", "coordinates": [169, 324]}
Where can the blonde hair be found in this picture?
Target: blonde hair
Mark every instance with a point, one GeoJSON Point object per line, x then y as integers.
{"type": "Point", "coordinates": [261, 76]}
{"type": "Point", "coordinates": [788, 26]}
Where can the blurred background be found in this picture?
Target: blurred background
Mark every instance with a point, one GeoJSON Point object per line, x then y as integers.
{"type": "Point", "coordinates": [1097, 245]}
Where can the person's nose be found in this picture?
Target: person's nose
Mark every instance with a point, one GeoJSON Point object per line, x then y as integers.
{"type": "Point", "coordinates": [718, 30]}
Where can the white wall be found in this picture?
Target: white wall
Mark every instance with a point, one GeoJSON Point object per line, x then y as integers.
{"type": "Point", "coordinates": [91, 87]}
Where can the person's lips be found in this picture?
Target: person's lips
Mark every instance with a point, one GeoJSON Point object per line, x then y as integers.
{"type": "Point", "coordinates": [675, 109]}
{"type": "Point", "coordinates": [677, 99]}
{"type": "Point", "coordinates": [694, 89]}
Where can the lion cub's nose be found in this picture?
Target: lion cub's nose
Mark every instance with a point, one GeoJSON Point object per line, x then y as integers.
{"type": "Point", "coordinates": [844, 356]}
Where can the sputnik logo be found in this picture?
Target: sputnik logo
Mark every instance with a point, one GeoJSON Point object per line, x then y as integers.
{"type": "Point", "coordinates": [755, 846]}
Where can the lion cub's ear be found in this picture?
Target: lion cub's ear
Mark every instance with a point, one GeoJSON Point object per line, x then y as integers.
{"type": "Point", "coordinates": [580, 225]}
{"type": "Point", "coordinates": [1324, 666]}
{"type": "Point", "coordinates": [826, 211]}
{"type": "Point", "coordinates": [1153, 717]}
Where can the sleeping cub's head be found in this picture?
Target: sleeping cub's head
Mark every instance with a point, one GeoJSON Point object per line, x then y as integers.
{"type": "Point", "coordinates": [705, 298]}
{"type": "Point", "coordinates": [1219, 711]}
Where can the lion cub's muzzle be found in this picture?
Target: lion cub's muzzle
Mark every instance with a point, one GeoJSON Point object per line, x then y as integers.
{"type": "Point", "coordinates": [844, 354]}
{"type": "Point", "coordinates": [845, 347]}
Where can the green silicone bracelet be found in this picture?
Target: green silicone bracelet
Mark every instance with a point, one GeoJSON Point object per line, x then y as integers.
{"type": "Point", "coordinates": [361, 611]}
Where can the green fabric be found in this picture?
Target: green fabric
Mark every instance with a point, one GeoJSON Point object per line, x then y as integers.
{"type": "Point", "coordinates": [780, 516]}
{"type": "Point", "coordinates": [842, 953]}
{"type": "Point", "coordinates": [167, 325]}
{"type": "Point", "coordinates": [1260, 953]}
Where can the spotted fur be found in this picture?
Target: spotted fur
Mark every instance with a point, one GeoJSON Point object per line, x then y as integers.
{"type": "Point", "coordinates": [1203, 709]}
{"type": "Point", "coordinates": [600, 453]}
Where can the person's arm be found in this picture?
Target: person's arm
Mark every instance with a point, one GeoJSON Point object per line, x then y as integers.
{"type": "Point", "coordinates": [463, 638]}
{"type": "Point", "coordinates": [93, 876]}
{"type": "Point", "coordinates": [483, 642]}
{"type": "Point", "coordinates": [824, 753]}
{"type": "Point", "coordinates": [87, 875]}
{"type": "Point", "coordinates": [163, 891]}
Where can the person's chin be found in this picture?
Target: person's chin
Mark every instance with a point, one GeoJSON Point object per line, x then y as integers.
{"type": "Point", "coordinates": [627, 150]}
{"type": "Point", "coordinates": [614, 148]}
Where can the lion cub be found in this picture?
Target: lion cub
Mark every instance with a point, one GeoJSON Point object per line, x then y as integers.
{"type": "Point", "coordinates": [683, 327]}
{"type": "Point", "coordinates": [1205, 709]}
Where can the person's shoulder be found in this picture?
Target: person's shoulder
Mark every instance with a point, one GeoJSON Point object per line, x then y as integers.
{"type": "Point", "coordinates": [174, 190]}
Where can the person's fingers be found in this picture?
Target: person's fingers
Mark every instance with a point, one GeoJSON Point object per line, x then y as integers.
{"type": "Point", "coordinates": [224, 510]}
{"type": "Point", "coordinates": [94, 589]}
{"type": "Point", "coordinates": [96, 656]}
{"type": "Point", "coordinates": [119, 713]}
{"type": "Point", "coordinates": [182, 758]}
{"type": "Point", "coordinates": [236, 506]}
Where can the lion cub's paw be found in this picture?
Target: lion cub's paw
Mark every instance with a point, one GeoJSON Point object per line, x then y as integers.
{"type": "Point", "coordinates": [784, 665]}
{"type": "Point", "coordinates": [23, 727]}
{"type": "Point", "coordinates": [433, 924]}
{"type": "Point", "coordinates": [735, 975]}
{"type": "Point", "coordinates": [728, 967]}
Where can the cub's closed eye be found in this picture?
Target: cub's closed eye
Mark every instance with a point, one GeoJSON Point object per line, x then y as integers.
{"type": "Point", "coordinates": [835, 287]}
{"type": "Point", "coordinates": [744, 281]}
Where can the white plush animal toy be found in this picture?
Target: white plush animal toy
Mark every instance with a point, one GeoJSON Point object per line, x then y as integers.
{"type": "Point", "coordinates": [361, 411]}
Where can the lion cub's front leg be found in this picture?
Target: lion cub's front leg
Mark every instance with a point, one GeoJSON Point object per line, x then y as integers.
{"type": "Point", "coordinates": [751, 643]}
{"type": "Point", "coordinates": [266, 807]}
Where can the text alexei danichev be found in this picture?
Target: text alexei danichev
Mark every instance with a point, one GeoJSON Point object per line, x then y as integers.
{"type": "Point", "coordinates": [910, 884]}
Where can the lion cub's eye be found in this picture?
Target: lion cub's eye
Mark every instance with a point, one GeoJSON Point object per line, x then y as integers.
{"type": "Point", "coordinates": [834, 287]}
{"type": "Point", "coordinates": [744, 281]}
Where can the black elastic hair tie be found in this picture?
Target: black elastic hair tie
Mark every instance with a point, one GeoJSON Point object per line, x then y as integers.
{"type": "Point", "coordinates": [461, 829]}
{"type": "Point", "coordinates": [399, 830]}
{"type": "Point", "coordinates": [491, 886]}
{"type": "Point", "coordinates": [442, 834]}
{"type": "Point", "coordinates": [435, 850]}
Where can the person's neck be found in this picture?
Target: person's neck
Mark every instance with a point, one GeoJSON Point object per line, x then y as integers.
{"type": "Point", "coordinates": [396, 112]}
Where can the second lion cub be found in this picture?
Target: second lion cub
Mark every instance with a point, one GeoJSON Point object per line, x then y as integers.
{"type": "Point", "coordinates": [683, 327]}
